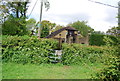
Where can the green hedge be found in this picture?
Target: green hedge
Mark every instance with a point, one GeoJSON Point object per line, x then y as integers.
{"type": "Point", "coordinates": [77, 54]}
{"type": "Point", "coordinates": [98, 39]}
{"type": "Point", "coordinates": [25, 49]}
{"type": "Point", "coordinates": [112, 71]}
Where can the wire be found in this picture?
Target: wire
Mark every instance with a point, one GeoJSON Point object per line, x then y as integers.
{"type": "Point", "coordinates": [103, 4]}
{"type": "Point", "coordinates": [32, 9]}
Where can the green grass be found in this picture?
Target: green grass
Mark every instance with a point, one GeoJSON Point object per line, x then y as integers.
{"type": "Point", "coordinates": [47, 71]}
{"type": "Point", "coordinates": [0, 69]}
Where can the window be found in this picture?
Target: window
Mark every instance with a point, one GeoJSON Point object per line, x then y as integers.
{"type": "Point", "coordinates": [59, 34]}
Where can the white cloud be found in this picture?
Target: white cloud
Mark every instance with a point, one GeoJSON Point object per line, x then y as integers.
{"type": "Point", "coordinates": [66, 11]}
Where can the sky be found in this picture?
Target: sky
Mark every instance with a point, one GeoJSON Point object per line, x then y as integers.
{"type": "Point", "coordinates": [63, 12]}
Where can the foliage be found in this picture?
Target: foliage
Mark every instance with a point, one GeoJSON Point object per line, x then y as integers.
{"type": "Point", "coordinates": [16, 9]}
{"type": "Point", "coordinates": [115, 31]}
{"type": "Point", "coordinates": [31, 24]}
{"type": "Point", "coordinates": [98, 32]}
{"type": "Point", "coordinates": [82, 27]}
{"type": "Point", "coordinates": [100, 39]}
{"type": "Point", "coordinates": [57, 27]}
{"type": "Point", "coordinates": [46, 27]}
{"type": "Point", "coordinates": [14, 17]}
{"type": "Point", "coordinates": [96, 39]}
{"type": "Point", "coordinates": [77, 54]}
{"type": "Point", "coordinates": [111, 41]}
{"type": "Point", "coordinates": [14, 26]}
{"type": "Point", "coordinates": [25, 49]}
{"type": "Point", "coordinates": [4, 12]}
{"type": "Point", "coordinates": [112, 70]}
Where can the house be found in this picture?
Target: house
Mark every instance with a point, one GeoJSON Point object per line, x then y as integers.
{"type": "Point", "coordinates": [68, 35]}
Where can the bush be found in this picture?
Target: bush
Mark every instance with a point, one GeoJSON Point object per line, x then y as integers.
{"type": "Point", "coordinates": [14, 26]}
{"type": "Point", "coordinates": [25, 49]}
{"type": "Point", "coordinates": [112, 70]}
{"type": "Point", "coordinates": [96, 39]}
{"type": "Point", "coordinates": [77, 54]}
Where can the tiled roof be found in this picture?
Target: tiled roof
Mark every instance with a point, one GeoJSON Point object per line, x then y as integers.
{"type": "Point", "coordinates": [60, 30]}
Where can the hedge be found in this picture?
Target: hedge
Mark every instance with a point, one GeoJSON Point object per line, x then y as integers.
{"type": "Point", "coordinates": [25, 49]}
{"type": "Point", "coordinates": [98, 39]}
{"type": "Point", "coordinates": [77, 54]}
{"type": "Point", "coordinates": [112, 71]}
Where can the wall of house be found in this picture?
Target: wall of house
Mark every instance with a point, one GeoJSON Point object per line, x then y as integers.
{"type": "Point", "coordinates": [81, 40]}
{"type": "Point", "coordinates": [76, 32]}
{"type": "Point", "coordinates": [63, 34]}
{"type": "Point", "coordinates": [84, 40]}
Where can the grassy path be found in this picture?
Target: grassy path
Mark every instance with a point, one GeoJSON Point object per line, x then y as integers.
{"type": "Point", "coordinates": [46, 71]}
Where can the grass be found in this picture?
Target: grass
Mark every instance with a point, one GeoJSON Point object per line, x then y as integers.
{"type": "Point", "coordinates": [47, 71]}
{"type": "Point", "coordinates": [0, 67]}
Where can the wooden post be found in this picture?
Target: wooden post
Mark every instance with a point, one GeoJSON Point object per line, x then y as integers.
{"type": "Point", "coordinates": [60, 42]}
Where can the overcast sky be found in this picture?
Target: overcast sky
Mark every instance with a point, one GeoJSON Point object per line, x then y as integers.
{"type": "Point", "coordinates": [63, 12]}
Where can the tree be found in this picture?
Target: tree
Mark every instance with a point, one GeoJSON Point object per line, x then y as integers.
{"type": "Point", "coordinates": [14, 26]}
{"type": "Point", "coordinates": [17, 9]}
{"type": "Point", "coordinates": [98, 33]}
{"type": "Point", "coordinates": [82, 27]}
{"type": "Point", "coordinates": [31, 24]}
{"type": "Point", "coordinates": [15, 23]}
{"type": "Point", "coordinates": [4, 12]}
{"type": "Point", "coordinates": [47, 5]}
{"type": "Point", "coordinates": [46, 27]}
{"type": "Point", "coordinates": [57, 27]}
{"type": "Point", "coordinates": [115, 31]}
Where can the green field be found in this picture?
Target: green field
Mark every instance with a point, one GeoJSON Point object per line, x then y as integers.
{"type": "Point", "coordinates": [48, 71]}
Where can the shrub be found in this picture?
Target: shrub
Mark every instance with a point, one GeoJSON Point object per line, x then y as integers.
{"type": "Point", "coordinates": [99, 39]}
{"type": "Point", "coordinates": [14, 26]}
{"type": "Point", "coordinates": [112, 70]}
{"type": "Point", "coordinates": [77, 54]}
{"type": "Point", "coordinates": [96, 39]}
{"type": "Point", "coordinates": [25, 49]}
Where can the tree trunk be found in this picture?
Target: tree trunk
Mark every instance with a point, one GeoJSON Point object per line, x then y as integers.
{"type": "Point", "coordinates": [17, 9]}
{"type": "Point", "coordinates": [25, 8]}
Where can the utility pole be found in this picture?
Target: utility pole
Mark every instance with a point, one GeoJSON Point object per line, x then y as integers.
{"type": "Point", "coordinates": [39, 29]}
{"type": "Point", "coordinates": [119, 14]}
{"type": "Point", "coordinates": [47, 5]}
